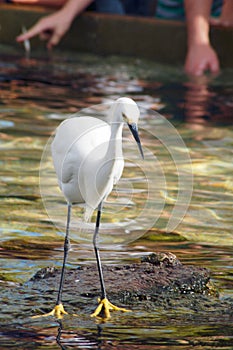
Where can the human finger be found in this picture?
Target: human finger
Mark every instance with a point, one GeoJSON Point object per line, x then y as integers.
{"type": "Point", "coordinates": [35, 30]}
{"type": "Point", "coordinates": [214, 67]}
{"type": "Point", "coordinates": [54, 39]}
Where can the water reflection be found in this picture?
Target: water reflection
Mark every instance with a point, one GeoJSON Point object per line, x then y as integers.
{"type": "Point", "coordinates": [204, 106]}
{"type": "Point", "coordinates": [65, 339]}
{"type": "Point", "coordinates": [59, 334]}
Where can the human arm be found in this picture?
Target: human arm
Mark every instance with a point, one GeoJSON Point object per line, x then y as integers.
{"type": "Point", "coordinates": [54, 26]}
{"type": "Point", "coordinates": [200, 54]}
{"type": "Point", "coordinates": [47, 3]}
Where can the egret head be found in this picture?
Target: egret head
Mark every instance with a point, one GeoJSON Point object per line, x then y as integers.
{"type": "Point", "coordinates": [130, 113]}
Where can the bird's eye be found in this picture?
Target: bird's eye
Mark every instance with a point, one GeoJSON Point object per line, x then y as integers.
{"type": "Point", "coordinates": [124, 117]}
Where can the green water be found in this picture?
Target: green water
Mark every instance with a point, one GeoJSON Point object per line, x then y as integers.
{"type": "Point", "coordinates": [36, 95]}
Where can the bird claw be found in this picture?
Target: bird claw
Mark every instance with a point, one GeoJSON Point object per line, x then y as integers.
{"type": "Point", "coordinates": [58, 311]}
{"type": "Point", "coordinates": [105, 306]}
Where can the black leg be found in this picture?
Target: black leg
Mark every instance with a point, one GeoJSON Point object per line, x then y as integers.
{"type": "Point", "coordinates": [96, 249]}
{"type": "Point", "coordinates": [66, 250]}
{"type": "Point", "coordinates": [104, 306]}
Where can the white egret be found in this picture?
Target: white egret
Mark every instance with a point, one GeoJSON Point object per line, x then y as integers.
{"type": "Point", "coordinates": [88, 159]}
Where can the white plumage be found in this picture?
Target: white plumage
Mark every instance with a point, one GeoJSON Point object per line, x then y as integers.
{"type": "Point", "coordinates": [87, 154]}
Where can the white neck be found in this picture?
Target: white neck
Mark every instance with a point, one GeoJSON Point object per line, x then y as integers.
{"type": "Point", "coordinates": [116, 124]}
{"type": "Point", "coordinates": [113, 162]}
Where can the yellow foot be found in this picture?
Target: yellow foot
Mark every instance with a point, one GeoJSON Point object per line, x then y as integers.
{"type": "Point", "coordinates": [105, 306]}
{"type": "Point", "coordinates": [58, 312]}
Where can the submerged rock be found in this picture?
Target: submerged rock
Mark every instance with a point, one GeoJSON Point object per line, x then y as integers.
{"type": "Point", "coordinates": [159, 284]}
{"type": "Point", "coordinates": [158, 277]}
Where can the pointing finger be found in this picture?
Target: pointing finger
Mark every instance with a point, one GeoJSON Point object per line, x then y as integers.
{"type": "Point", "coordinates": [30, 33]}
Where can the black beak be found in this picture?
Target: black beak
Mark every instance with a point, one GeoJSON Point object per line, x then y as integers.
{"type": "Point", "coordinates": [134, 130]}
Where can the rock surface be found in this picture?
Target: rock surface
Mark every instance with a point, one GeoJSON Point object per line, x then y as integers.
{"type": "Point", "coordinates": [157, 277]}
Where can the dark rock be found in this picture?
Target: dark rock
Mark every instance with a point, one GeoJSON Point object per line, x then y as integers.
{"type": "Point", "coordinates": [157, 277]}
{"type": "Point", "coordinates": [45, 273]}
{"type": "Point", "coordinates": [162, 259]}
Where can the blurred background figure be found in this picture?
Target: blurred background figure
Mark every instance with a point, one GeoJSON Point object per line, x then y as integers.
{"type": "Point", "coordinates": [53, 27]}
{"type": "Point", "coordinates": [129, 7]}
{"type": "Point", "coordinates": [200, 56]}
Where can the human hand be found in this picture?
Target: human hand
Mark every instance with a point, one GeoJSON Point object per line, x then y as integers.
{"type": "Point", "coordinates": [200, 58]}
{"type": "Point", "coordinates": [51, 28]}
{"type": "Point", "coordinates": [226, 17]}
{"type": "Point", "coordinates": [224, 21]}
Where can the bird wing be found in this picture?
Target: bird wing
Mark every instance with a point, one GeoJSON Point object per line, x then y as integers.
{"type": "Point", "coordinates": [75, 141]}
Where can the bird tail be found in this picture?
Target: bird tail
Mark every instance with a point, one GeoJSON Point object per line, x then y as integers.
{"type": "Point", "coordinates": [88, 213]}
